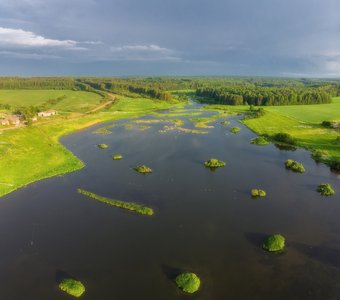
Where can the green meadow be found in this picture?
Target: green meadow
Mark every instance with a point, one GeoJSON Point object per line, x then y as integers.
{"type": "Point", "coordinates": [303, 122]}
{"type": "Point", "coordinates": [75, 101]}
{"type": "Point", "coordinates": [34, 153]}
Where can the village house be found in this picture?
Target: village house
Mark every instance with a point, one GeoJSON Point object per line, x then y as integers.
{"type": "Point", "coordinates": [10, 120]}
{"type": "Point", "coordinates": [47, 113]}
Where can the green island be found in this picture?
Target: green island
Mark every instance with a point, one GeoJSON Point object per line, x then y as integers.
{"type": "Point", "coordinates": [143, 169]}
{"type": "Point", "coordinates": [103, 146]}
{"type": "Point", "coordinates": [117, 157]}
{"type": "Point", "coordinates": [72, 287]}
{"type": "Point", "coordinates": [214, 163]}
{"type": "Point", "coordinates": [138, 208]}
{"type": "Point", "coordinates": [260, 140]}
{"type": "Point", "coordinates": [294, 166]}
{"type": "Point", "coordinates": [235, 129]}
{"type": "Point", "coordinates": [258, 193]}
{"type": "Point", "coordinates": [188, 282]}
{"type": "Point", "coordinates": [274, 243]}
{"type": "Point", "coordinates": [325, 189]}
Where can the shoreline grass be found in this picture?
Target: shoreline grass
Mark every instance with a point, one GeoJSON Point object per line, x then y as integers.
{"type": "Point", "coordinates": [138, 208]}
{"type": "Point", "coordinates": [260, 141]}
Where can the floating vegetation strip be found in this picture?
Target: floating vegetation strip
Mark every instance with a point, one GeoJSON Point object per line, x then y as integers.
{"type": "Point", "coordinates": [258, 193]}
{"type": "Point", "coordinates": [274, 243]}
{"type": "Point", "coordinates": [181, 129]}
{"type": "Point", "coordinates": [214, 163]}
{"type": "Point", "coordinates": [294, 166]}
{"type": "Point", "coordinates": [188, 282]}
{"type": "Point", "coordinates": [143, 169]}
{"type": "Point", "coordinates": [117, 157]}
{"type": "Point", "coordinates": [72, 287]}
{"type": "Point", "coordinates": [260, 140]}
{"type": "Point", "coordinates": [325, 189]}
{"type": "Point", "coordinates": [235, 129]}
{"type": "Point", "coordinates": [102, 130]}
{"type": "Point", "coordinates": [102, 146]}
{"type": "Point", "coordinates": [126, 205]}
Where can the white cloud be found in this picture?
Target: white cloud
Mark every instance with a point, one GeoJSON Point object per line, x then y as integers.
{"type": "Point", "coordinates": [143, 53]}
{"type": "Point", "coordinates": [20, 38]}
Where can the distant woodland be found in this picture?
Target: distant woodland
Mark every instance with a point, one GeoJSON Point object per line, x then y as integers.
{"type": "Point", "coordinates": [222, 90]}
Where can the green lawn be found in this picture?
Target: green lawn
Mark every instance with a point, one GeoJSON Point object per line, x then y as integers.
{"type": "Point", "coordinates": [78, 101]}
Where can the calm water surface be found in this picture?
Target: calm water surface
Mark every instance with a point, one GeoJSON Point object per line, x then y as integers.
{"type": "Point", "coordinates": [204, 221]}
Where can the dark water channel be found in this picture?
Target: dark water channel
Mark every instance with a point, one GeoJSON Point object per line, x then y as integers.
{"type": "Point", "coordinates": [204, 222]}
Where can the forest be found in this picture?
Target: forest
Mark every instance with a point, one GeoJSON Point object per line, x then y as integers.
{"type": "Point", "coordinates": [222, 90]}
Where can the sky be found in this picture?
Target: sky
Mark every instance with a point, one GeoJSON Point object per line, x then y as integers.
{"type": "Point", "coordinates": [287, 38]}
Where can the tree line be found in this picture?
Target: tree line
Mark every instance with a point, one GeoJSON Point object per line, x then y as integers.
{"type": "Point", "coordinates": [261, 96]}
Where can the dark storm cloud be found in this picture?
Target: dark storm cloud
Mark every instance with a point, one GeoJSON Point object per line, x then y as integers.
{"type": "Point", "coordinates": [136, 37]}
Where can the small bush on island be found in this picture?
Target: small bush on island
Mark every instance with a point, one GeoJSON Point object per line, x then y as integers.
{"type": "Point", "coordinates": [225, 122]}
{"type": "Point", "coordinates": [213, 163]}
{"type": "Point", "coordinates": [274, 243]}
{"type": "Point", "coordinates": [294, 166]}
{"type": "Point", "coordinates": [235, 129]}
{"type": "Point", "coordinates": [143, 169]}
{"type": "Point", "coordinates": [260, 140]}
{"type": "Point", "coordinates": [188, 282]}
{"type": "Point", "coordinates": [125, 205]}
{"type": "Point", "coordinates": [102, 146]}
{"type": "Point", "coordinates": [117, 157]}
{"type": "Point", "coordinates": [72, 287]}
{"type": "Point", "coordinates": [327, 124]}
{"type": "Point", "coordinates": [325, 189]}
{"type": "Point", "coordinates": [258, 193]}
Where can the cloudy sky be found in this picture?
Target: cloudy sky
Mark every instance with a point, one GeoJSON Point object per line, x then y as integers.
{"type": "Point", "coordinates": [170, 37]}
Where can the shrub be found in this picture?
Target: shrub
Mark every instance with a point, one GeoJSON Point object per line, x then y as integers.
{"type": "Point", "coordinates": [117, 157]}
{"type": "Point", "coordinates": [225, 122]}
{"type": "Point", "coordinates": [143, 169]}
{"type": "Point", "coordinates": [102, 146]}
{"type": "Point", "coordinates": [188, 282]}
{"type": "Point", "coordinates": [294, 166]}
{"type": "Point", "coordinates": [325, 189]}
{"type": "Point", "coordinates": [258, 193]}
{"type": "Point", "coordinates": [260, 140]}
{"type": "Point", "coordinates": [214, 163]}
{"type": "Point", "coordinates": [235, 129]}
{"type": "Point", "coordinates": [72, 287]}
{"type": "Point", "coordinates": [284, 138]}
{"type": "Point", "coordinates": [274, 243]}
{"type": "Point", "coordinates": [327, 124]}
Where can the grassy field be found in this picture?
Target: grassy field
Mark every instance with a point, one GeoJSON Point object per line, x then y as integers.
{"type": "Point", "coordinates": [303, 122]}
{"type": "Point", "coordinates": [77, 101]}
{"type": "Point", "coordinates": [33, 153]}
{"type": "Point", "coordinates": [310, 113]}
{"type": "Point", "coordinates": [142, 104]}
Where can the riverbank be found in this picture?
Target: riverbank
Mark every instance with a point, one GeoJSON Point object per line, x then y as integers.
{"type": "Point", "coordinates": [302, 122]}
{"type": "Point", "coordinates": [34, 153]}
